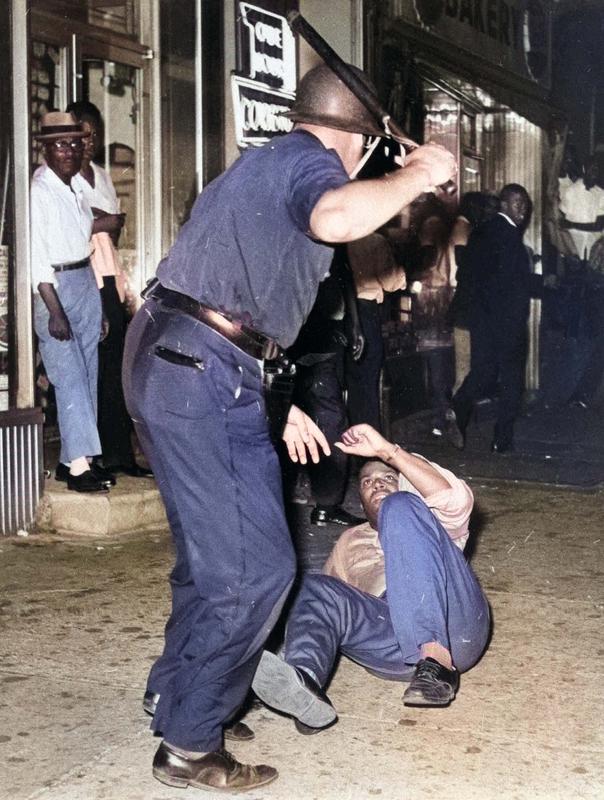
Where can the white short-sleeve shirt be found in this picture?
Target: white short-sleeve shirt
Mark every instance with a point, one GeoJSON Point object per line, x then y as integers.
{"type": "Point", "coordinates": [61, 225]}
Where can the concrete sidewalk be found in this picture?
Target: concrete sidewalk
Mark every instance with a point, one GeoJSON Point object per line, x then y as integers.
{"type": "Point", "coordinates": [82, 620]}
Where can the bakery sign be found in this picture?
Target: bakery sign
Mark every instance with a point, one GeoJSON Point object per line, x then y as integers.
{"type": "Point", "coordinates": [513, 34]}
{"type": "Point", "coordinates": [264, 83]}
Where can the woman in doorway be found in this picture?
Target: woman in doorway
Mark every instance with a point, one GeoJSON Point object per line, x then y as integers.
{"type": "Point", "coordinates": [114, 423]}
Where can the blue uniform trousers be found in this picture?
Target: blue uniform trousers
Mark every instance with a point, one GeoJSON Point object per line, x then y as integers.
{"type": "Point", "coordinates": [432, 595]}
{"type": "Point", "coordinates": [72, 365]}
{"type": "Point", "coordinates": [205, 434]}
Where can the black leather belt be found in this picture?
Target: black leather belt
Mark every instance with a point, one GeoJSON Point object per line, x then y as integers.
{"type": "Point", "coordinates": [84, 262]}
{"type": "Point", "coordinates": [242, 336]}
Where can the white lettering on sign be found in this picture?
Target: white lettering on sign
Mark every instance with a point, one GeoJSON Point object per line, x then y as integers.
{"type": "Point", "coordinates": [258, 111]}
{"type": "Point", "coordinates": [268, 34]}
{"type": "Point", "coordinates": [270, 66]}
{"type": "Point", "coordinates": [271, 47]}
{"type": "Point", "coordinates": [265, 117]}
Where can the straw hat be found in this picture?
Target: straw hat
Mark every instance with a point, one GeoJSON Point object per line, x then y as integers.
{"type": "Point", "coordinates": [59, 124]}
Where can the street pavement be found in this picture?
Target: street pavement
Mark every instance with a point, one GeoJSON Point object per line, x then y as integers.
{"type": "Point", "coordinates": [82, 619]}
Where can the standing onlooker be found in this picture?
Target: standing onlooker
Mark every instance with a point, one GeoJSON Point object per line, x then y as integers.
{"type": "Point", "coordinates": [474, 209]}
{"type": "Point", "coordinates": [582, 208]}
{"type": "Point", "coordinates": [431, 274]}
{"type": "Point", "coordinates": [375, 272]}
{"type": "Point", "coordinates": [501, 278]}
{"type": "Point", "coordinates": [67, 306]}
{"type": "Point", "coordinates": [319, 353]}
{"type": "Point", "coordinates": [114, 423]}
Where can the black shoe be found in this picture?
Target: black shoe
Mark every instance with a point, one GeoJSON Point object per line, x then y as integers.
{"type": "Point", "coordinates": [453, 431]}
{"type": "Point", "coordinates": [102, 474]}
{"type": "Point", "coordinates": [502, 447]}
{"type": "Point", "coordinates": [307, 730]}
{"type": "Point", "coordinates": [134, 470]}
{"type": "Point", "coordinates": [336, 515]}
{"type": "Point", "coordinates": [431, 685]}
{"type": "Point", "coordinates": [578, 402]}
{"type": "Point", "coordinates": [237, 732]}
{"type": "Point", "coordinates": [293, 691]}
{"type": "Point", "coordinates": [86, 482]}
{"type": "Point", "coordinates": [62, 472]}
{"type": "Point", "coordinates": [218, 770]}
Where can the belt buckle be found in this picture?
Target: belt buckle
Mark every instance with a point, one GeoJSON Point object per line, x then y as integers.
{"type": "Point", "coordinates": [271, 350]}
{"type": "Point", "coordinates": [148, 290]}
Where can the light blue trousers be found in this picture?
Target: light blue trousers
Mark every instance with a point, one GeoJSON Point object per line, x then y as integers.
{"type": "Point", "coordinates": [72, 366]}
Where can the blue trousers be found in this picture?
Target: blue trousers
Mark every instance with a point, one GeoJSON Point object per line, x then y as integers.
{"type": "Point", "coordinates": [205, 434]}
{"type": "Point", "coordinates": [432, 595]}
{"type": "Point", "coordinates": [72, 366]}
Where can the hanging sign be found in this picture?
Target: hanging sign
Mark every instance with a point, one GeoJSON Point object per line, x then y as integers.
{"type": "Point", "coordinates": [265, 82]}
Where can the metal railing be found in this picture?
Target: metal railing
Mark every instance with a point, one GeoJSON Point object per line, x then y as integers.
{"type": "Point", "coordinates": [21, 468]}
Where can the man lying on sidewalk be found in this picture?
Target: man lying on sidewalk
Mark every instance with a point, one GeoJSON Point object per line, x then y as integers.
{"type": "Point", "coordinates": [396, 594]}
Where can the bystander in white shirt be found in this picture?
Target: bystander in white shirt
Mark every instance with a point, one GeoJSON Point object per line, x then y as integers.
{"type": "Point", "coordinates": [61, 225]}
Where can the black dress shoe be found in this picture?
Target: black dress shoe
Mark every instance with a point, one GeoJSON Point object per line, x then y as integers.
{"type": "Point", "coordinates": [237, 732]}
{"type": "Point", "coordinates": [61, 472]}
{"type": "Point", "coordinates": [502, 447]}
{"type": "Point", "coordinates": [307, 730]}
{"type": "Point", "coordinates": [86, 482]}
{"type": "Point", "coordinates": [218, 770]}
{"type": "Point", "coordinates": [453, 431]}
{"type": "Point", "coordinates": [335, 515]}
{"type": "Point", "coordinates": [431, 685]}
{"type": "Point", "coordinates": [134, 470]}
{"type": "Point", "coordinates": [293, 691]}
{"type": "Point", "coordinates": [102, 473]}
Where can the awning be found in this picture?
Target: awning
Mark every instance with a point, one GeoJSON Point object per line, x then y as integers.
{"type": "Point", "coordinates": [522, 96]}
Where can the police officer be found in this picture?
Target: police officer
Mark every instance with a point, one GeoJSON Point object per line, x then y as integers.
{"type": "Point", "coordinates": [234, 289]}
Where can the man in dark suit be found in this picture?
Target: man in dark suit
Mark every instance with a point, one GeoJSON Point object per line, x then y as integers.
{"type": "Point", "coordinates": [501, 286]}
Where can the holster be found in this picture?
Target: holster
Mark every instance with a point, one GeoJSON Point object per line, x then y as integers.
{"type": "Point", "coordinates": [279, 383]}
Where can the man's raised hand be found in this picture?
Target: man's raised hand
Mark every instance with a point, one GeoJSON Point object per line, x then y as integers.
{"type": "Point", "coordinates": [363, 440]}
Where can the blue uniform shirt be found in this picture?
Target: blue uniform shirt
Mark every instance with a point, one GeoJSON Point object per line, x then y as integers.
{"type": "Point", "coordinates": [246, 247]}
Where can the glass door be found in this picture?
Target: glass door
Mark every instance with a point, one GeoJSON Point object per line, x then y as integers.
{"type": "Point", "coordinates": [114, 89]}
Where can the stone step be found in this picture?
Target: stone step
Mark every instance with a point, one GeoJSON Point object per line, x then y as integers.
{"type": "Point", "coordinates": [134, 504]}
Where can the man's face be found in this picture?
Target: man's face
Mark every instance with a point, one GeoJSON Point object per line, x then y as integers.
{"type": "Point", "coordinates": [376, 481]}
{"type": "Point", "coordinates": [64, 156]}
{"type": "Point", "coordinates": [516, 207]}
{"type": "Point", "coordinates": [90, 141]}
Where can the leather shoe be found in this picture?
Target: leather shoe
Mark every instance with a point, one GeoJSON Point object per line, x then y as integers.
{"type": "Point", "coordinates": [62, 472]}
{"type": "Point", "coordinates": [102, 473]}
{"type": "Point", "coordinates": [293, 691]}
{"type": "Point", "coordinates": [86, 482]}
{"type": "Point", "coordinates": [134, 470]}
{"type": "Point", "coordinates": [336, 515]}
{"type": "Point", "coordinates": [307, 730]}
{"type": "Point", "coordinates": [218, 770]}
{"type": "Point", "coordinates": [453, 430]}
{"type": "Point", "coordinates": [431, 685]}
{"type": "Point", "coordinates": [502, 447]}
{"type": "Point", "coordinates": [237, 732]}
